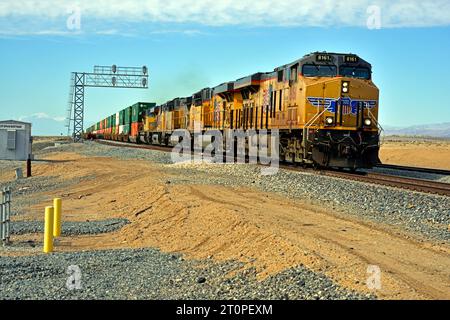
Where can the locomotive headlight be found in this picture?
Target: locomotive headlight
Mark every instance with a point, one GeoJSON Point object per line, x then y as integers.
{"type": "Point", "coordinates": [345, 86]}
{"type": "Point", "coordinates": [367, 122]}
{"type": "Point", "coordinates": [329, 121]}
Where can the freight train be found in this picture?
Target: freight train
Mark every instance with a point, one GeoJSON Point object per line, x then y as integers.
{"type": "Point", "coordinates": [324, 106]}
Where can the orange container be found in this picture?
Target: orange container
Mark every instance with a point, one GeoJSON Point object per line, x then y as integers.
{"type": "Point", "coordinates": [134, 129]}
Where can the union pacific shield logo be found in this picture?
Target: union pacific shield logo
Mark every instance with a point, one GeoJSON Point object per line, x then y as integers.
{"type": "Point", "coordinates": [349, 106]}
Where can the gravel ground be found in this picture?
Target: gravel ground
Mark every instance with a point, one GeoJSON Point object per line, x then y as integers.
{"type": "Point", "coordinates": [27, 188]}
{"type": "Point", "coordinates": [93, 149]}
{"type": "Point", "coordinates": [70, 228]}
{"type": "Point", "coordinates": [10, 166]}
{"type": "Point", "coordinates": [424, 214]}
{"type": "Point", "coordinates": [427, 215]}
{"type": "Point", "coordinates": [150, 274]}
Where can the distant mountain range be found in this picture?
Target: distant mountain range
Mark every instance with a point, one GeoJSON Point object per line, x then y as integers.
{"type": "Point", "coordinates": [440, 130]}
{"type": "Point", "coordinates": [45, 125]}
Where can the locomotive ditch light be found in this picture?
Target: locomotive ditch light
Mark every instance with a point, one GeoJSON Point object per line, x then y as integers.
{"type": "Point", "coordinates": [329, 121]}
{"type": "Point", "coordinates": [367, 122]}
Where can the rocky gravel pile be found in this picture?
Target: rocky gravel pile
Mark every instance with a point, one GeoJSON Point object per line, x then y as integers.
{"type": "Point", "coordinates": [70, 228]}
{"type": "Point", "coordinates": [150, 274]}
{"type": "Point", "coordinates": [424, 214]}
{"type": "Point", "coordinates": [10, 166]}
{"type": "Point", "coordinates": [27, 188]}
{"type": "Point", "coordinates": [93, 149]}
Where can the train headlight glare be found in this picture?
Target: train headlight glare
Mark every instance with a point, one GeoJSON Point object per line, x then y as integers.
{"type": "Point", "coordinates": [345, 84]}
{"type": "Point", "coordinates": [368, 122]}
{"type": "Point", "coordinates": [329, 121]}
{"type": "Point", "coordinates": [345, 89]}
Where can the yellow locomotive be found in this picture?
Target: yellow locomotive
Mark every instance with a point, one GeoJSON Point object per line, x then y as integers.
{"type": "Point", "coordinates": [324, 105]}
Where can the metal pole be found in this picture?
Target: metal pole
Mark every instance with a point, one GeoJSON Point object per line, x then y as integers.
{"type": "Point", "coordinates": [48, 230]}
{"type": "Point", "coordinates": [29, 166]}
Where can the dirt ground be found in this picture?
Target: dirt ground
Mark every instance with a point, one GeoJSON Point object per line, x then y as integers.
{"type": "Point", "coordinates": [427, 153]}
{"type": "Point", "coordinates": [264, 230]}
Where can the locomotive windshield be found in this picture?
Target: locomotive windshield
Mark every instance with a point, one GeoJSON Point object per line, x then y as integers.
{"type": "Point", "coordinates": [314, 70]}
{"type": "Point", "coordinates": [355, 72]}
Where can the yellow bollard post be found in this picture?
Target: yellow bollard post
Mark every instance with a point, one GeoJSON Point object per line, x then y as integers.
{"type": "Point", "coordinates": [57, 205]}
{"type": "Point", "coordinates": [48, 230]}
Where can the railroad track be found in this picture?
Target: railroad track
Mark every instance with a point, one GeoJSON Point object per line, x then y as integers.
{"type": "Point", "coordinates": [414, 169]}
{"type": "Point", "coordinates": [426, 186]}
{"type": "Point", "coordinates": [420, 185]}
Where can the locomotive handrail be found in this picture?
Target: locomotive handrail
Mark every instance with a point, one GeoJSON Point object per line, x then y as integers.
{"type": "Point", "coordinates": [306, 129]}
{"type": "Point", "coordinates": [380, 128]}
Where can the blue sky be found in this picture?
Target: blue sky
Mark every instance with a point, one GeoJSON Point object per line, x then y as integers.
{"type": "Point", "coordinates": [187, 47]}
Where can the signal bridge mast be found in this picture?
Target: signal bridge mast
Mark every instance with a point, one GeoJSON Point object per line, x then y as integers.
{"type": "Point", "coordinates": [102, 77]}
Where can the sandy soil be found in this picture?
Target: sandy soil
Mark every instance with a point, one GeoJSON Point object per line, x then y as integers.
{"type": "Point", "coordinates": [265, 230]}
{"type": "Point", "coordinates": [416, 152]}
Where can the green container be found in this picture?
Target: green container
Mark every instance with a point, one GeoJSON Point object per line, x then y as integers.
{"type": "Point", "coordinates": [121, 117]}
{"type": "Point", "coordinates": [127, 129]}
{"type": "Point", "coordinates": [139, 109]}
{"type": "Point", "coordinates": [112, 121]}
{"type": "Point", "coordinates": [127, 115]}
{"type": "Point", "coordinates": [97, 126]}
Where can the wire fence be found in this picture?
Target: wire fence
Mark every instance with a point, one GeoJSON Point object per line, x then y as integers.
{"type": "Point", "coordinates": [5, 215]}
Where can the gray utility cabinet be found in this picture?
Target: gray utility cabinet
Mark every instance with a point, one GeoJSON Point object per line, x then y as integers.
{"type": "Point", "coordinates": [15, 140]}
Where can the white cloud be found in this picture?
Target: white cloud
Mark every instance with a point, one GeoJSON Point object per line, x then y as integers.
{"type": "Point", "coordinates": [394, 13]}
{"type": "Point", "coordinates": [185, 32]}
{"type": "Point", "coordinates": [42, 115]}
{"type": "Point", "coordinates": [115, 32]}
{"type": "Point", "coordinates": [18, 32]}
{"type": "Point", "coordinates": [110, 32]}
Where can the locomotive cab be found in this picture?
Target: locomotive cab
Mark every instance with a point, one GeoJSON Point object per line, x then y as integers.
{"type": "Point", "coordinates": [341, 127]}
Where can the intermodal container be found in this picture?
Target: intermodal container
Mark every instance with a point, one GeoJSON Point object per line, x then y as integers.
{"type": "Point", "coordinates": [126, 129]}
{"type": "Point", "coordinates": [127, 116]}
{"type": "Point", "coordinates": [135, 129]}
{"type": "Point", "coordinates": [122, 117]}
{"type": "Point", "coordinates": [139, 109]}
